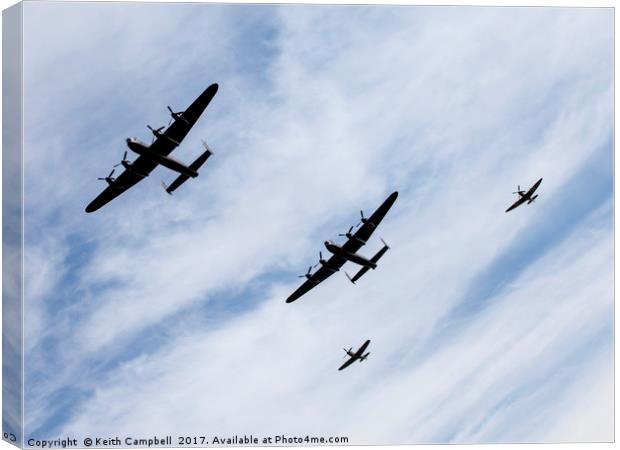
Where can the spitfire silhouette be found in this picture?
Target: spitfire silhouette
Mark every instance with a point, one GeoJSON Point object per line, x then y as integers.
{"type": "Point", "coordinates": [525, 196]}
{"type": "Point", "coordinates": [356, 356]}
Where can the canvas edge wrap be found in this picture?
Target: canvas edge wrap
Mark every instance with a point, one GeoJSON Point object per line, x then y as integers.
{"type": "Point", "coordinates": [12, 226]}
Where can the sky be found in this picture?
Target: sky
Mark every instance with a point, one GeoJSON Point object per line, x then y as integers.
{"type": "Point", "coordinates": [167, 315]}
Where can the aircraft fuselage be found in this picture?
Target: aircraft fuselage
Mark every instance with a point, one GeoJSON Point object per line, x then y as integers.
{"type": "Point", "coordinates": [139, 147]}
{"type": "Point", "coordinates": [353, 257]}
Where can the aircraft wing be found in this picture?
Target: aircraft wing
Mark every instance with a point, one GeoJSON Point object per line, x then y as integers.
{"type": "Point", "coordinates": [517, 203]}
{"type": "Point", "coordinates": [366, 230]}
{"type": "Point", "coordinates": [533, 188]}
{"type": "Point", "coordinates": [179, 128]}
{"type": "Point", "coordinates": [363, 348]}
{"type": "Point", "coordinates": [335, 262]}
{"type": "Point", "coordinates": [141, 168]}
{"type": "Point", "coordinates": [348, 362]}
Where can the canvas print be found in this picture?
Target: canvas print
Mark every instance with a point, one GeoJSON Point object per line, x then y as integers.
{"type": "Point", "coordinates": [264, 225]}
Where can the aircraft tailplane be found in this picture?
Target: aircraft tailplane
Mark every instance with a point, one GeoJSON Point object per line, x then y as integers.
{"type": "Point", "coordinates": [194, 166]}
{"type": "Point", "coordinates": [374, 259]}
{"type": "Point", "coordinates": [532, 199]}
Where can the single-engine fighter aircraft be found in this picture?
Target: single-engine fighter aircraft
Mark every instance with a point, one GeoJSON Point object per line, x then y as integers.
{"type": "Point", "coordinates": [347, 252]}
{"type": "Point", "coordinates": [150, 156]}
{"type": "Point", "coordinates": [357, 356]}
{"type": "Point", "coordinates": [525, 196]}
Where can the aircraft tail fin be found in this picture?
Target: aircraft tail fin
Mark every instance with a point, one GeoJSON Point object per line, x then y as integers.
{"type": "Point", "coordinates": [207, 148]}
{"type": "Point", "coordinates": [165, 186]}
{"type": "Point", "coordinates": [363, 357]}
{"type": "Point", "coordinates": [385, 248]}
{"type": "Point", "coordinates": [532, 199]}
{"type": "Point", "coordinates": [381, 252]}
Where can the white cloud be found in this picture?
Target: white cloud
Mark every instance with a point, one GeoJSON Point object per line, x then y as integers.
{"type": "Point", "coordinates": [274, 370]}
{"type": "Point", "coordinates": [452, 107]}
{"type": "Point", "coordinates": [588, 409]}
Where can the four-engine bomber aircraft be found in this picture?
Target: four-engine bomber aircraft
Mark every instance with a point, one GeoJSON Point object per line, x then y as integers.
{"type": "Point", "coordinates": [357, 356]}
{"type": "Point", "coordinates": [157, 153]}
{"type": "Point", "coordinates": [347, 252]}
{"type": "Point", "coordinates": [525, 196]}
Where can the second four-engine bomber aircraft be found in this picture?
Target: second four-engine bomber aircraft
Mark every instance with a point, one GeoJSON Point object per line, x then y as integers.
{"type": "Point", "coordinates": [150, 156]}
{"type": "Point", "coordinates": [348, 251]}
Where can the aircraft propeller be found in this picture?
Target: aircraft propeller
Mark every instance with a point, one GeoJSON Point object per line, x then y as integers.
{"type": "Point", "coordinates": [364, 220]}
{"type": "Point", "coordinates": [519, 191]}
{"type": "Point", "coordinates": [173, 115]}
{"type": "Point", "coordinates": [176, 115]}
{"type": "Point", "coordinates": [348, 233]}
{"type": "Point", "coordinates": [321, 260]}
{"type": "Point", "coordinates": [156, 132]}
{"type": "Point", "coordinates": [124, 160]}
{"type": "Point", "coordinates": [109, 178]}
{"type": "Point", "coordinates": [307, 274]}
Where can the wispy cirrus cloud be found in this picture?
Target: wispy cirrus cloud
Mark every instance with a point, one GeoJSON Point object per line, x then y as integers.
{"type": "Point", "coordinates": [153, 303]}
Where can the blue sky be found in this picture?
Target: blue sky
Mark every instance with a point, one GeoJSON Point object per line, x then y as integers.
{"type": "Point", "coordinates": [168, 314]}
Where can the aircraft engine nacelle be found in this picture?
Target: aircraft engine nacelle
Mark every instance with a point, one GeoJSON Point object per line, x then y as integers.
{"type": "Point", "coordinates": [137, 146]}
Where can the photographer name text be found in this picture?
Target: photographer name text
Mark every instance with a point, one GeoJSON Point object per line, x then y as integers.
{"type": "Point", "coordinates": [184, 441]}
